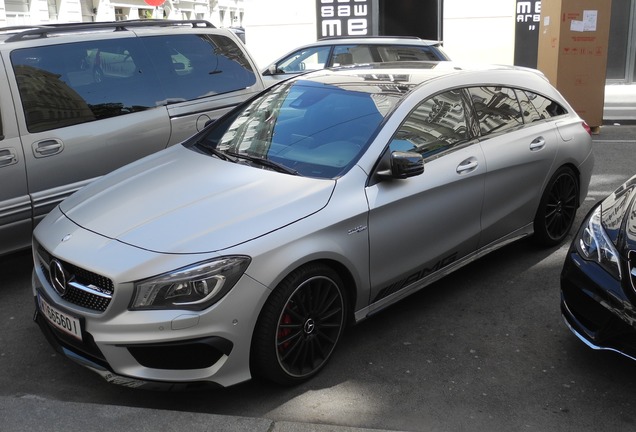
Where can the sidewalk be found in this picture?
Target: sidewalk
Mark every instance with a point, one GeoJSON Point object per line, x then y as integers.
{"type": "Point", "coordinates": [33, 414]}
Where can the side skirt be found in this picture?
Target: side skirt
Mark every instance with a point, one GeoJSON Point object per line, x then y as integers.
{"type": "Point", "coordinates": [373, 308]}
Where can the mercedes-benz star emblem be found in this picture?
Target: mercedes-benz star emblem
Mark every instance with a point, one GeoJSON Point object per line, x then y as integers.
{"type": "Point", "coordinates": [58, 277]}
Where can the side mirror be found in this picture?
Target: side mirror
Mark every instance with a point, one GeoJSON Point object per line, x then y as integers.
{"type": "Point", "coordinates": [403, 165]}
{"type": "Point", "coordinates": [271, 70]}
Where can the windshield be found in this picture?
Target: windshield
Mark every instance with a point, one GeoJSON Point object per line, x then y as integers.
{"type": "Point", "coordinates": [307, 128]}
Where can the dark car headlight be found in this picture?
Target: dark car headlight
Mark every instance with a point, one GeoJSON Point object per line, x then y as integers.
{"type": "Point", "coordinates": [594, 244]}
{"type": "Point", "coordinates": [196, 287]}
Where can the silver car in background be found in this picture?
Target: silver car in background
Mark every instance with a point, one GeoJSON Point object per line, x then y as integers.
{"type": "Point", "coordinates": [248, 249]}
{"type": "Point", "coordinates": [346, 51]}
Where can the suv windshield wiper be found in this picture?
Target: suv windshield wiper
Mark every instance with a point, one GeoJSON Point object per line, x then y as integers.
{"type": "Point", "coordinates": [265, 162]}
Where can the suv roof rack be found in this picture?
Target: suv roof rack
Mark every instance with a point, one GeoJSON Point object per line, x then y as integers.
{"type": "Point", "coordinates": [44, 30]}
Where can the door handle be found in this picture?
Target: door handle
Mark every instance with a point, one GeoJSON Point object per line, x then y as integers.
{"type": "Point", "coordinates": [47, 147]}
{"type": "Point", "coordinates": [537, 144]}
{"type": "Point", "coordinates": [467, 165]}
{"type": "Point", "coordinates": [7, 157]}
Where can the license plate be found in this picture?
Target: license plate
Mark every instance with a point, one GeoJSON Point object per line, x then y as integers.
{"type": "Point", "coordinates": [67, 323]}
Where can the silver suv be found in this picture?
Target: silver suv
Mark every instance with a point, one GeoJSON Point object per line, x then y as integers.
{"type": "Point", "coordinates": [79, 100]}
{"type": "Point", "coordinates": [344, 51]}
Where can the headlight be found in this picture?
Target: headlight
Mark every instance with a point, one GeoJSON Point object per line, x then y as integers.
{"type": "Point", "coordinates": [593, 244]}
{"type": "Point", "coordinates": [196, 287]}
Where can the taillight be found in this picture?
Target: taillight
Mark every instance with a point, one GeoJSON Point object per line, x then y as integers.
{"type": "Point", "coordinates": [587, 128]}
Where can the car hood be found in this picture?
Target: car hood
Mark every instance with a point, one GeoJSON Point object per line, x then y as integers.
{"type": "Point", "coordinates": [619, 215]}
{"type": "Point", "coordinates": [182, 201]}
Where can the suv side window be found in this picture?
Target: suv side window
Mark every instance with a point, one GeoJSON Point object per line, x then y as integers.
{"type": "Point", "coordinates": [389, 53]}
{"type": "Point", "coordinates": [64, 85]}
{"type": "Point", "coordinates": [436, 126]}
{"type": "Point", "coordinates": [351, 54]}
{"type": "Point", "coordinates": [304, 60]}
{"type": "Point", "coordinates": [537, 107]}
{"type": "Point", "coordinates": [497, 109]}
{"type": "Point", "coordinates": [196, 66]}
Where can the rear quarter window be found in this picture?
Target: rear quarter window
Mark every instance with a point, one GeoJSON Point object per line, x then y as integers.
{"type": "Point", "coordinates": [195, 66]}
{"type": "Point", "coordinates": [536, 107]}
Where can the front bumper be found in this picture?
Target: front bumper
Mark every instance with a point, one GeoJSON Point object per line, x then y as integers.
{"type": "Point", "coordinates": [597, 308]}
{"type": "Point", "coordinates": [155, 348]}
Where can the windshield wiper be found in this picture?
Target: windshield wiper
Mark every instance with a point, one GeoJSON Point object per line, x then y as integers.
{"type": "Point", "coordinates": [218, 153]}
{"type": "Point", "coordinates": [266, 162]}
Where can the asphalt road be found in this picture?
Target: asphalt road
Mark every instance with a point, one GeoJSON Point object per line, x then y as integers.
{"type": "Point", "coordinates": [483, 349]}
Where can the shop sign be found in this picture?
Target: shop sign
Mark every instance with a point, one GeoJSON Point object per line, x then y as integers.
{"type": "Point", "coordinates": [528, 18]}
{"type": "Point", "coordinates": [344, 18]}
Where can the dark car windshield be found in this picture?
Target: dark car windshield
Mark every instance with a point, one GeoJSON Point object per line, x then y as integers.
{"type": "Point", "coordinates": [314, 129]}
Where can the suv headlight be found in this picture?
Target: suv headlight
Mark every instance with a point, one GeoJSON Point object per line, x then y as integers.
{"type": "Point", "coordinates": [196, 287]}
{"type": "Point", "coordinates": [594, 244]}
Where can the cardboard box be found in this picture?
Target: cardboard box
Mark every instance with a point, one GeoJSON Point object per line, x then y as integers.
{"type": "Point", "coordinates": [573, 41]}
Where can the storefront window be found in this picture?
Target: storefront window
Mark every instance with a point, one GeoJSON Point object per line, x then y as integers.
{"type": "Point", "coordinates": [621, 56]}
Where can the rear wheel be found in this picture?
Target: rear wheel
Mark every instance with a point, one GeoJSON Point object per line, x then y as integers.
{"type": "Point", "coordinates": [299, 326]}
{"type": "Point", "coordinates": [557, 208]}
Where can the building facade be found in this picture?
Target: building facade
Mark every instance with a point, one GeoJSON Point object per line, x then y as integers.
{"type": "Point", "coordinates": [471, 31]}
{"type": "Point", "coordinates": [222, 13]}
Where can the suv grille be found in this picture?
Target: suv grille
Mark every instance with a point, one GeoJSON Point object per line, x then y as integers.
{"type": "Point", "coordinates": [85, 298]}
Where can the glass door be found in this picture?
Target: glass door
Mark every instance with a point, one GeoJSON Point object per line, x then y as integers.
{"type": "Point", "coordinates": [621, 54]}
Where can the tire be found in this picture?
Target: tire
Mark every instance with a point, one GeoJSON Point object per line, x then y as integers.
{"type": "Point", "coordinates": [299, 326]}
{"type": "Point", "coordinates": [557, 209]}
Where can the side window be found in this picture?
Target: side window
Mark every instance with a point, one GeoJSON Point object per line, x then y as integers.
{"type": "Point", "coordinates": [389, 53]}
{"type": "Point", "coordinates": [537, 107]}
{"type": "Point", "coordinates": [307, 59]}
{"type": "Point", "coordinates": [437, 125]}
{"type": "Point", "coordinates": [497, 109]}
{"type": "Point", "coordinates": [351, 54]}
{"type": "Point", "coordinates": [64, 85]}
{"type": "Point", "coordinates": [196, 66]}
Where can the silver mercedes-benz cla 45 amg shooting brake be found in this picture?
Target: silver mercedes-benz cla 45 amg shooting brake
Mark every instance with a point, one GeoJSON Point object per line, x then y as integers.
{"type": "Point", "coordinates": [247, 250]}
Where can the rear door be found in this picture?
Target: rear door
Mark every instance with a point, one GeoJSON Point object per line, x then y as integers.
{"type": "Point", "coordinates": [520, 148]}
{"type": "Point", "coordinates": [85, 109]}
{"type": "Point", "coordinates": [15, 204]}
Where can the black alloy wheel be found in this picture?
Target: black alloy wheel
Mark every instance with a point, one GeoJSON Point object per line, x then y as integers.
{"type": "Point", "coordinates": [300, 326]}
{"type": "Point", "coordinates": [557, 209]}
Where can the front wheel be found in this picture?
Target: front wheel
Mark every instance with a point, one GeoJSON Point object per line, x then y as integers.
{"type": "Point", "coordinates": [557, 209]}
{"type": "Point", "coordinates": [299, 326]}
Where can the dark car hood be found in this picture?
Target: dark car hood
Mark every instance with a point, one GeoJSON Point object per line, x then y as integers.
{"type": "Point", "coordinates": [619, 216]}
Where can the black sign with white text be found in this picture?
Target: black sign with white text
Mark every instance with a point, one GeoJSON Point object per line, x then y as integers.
{"type": "Point", "coordinates": [344, 18]}
{"type": "Point", "coordinates": [528, 19]}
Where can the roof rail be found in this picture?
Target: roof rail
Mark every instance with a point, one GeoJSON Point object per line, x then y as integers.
{"type": "Point", "coordinates": [370, 37]}
{"type": "Point", "coordinates": [44, 30]}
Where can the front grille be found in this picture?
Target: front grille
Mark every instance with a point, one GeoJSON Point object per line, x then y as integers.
{"type": "Point", "coordinates": [77, 296]}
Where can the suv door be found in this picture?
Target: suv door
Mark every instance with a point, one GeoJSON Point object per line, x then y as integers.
{"type": "Point", "coordinates": [15, 203]}
{"type": "Point", "coordinates": [420, 225]}
{"type": "Point", "coordinates": [85, 109]}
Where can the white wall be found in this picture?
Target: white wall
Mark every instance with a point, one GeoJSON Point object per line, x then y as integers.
{"type": "Point", "coordinates": [274, 27]}
{"type": "Point", "coordinates": [480, 31]}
